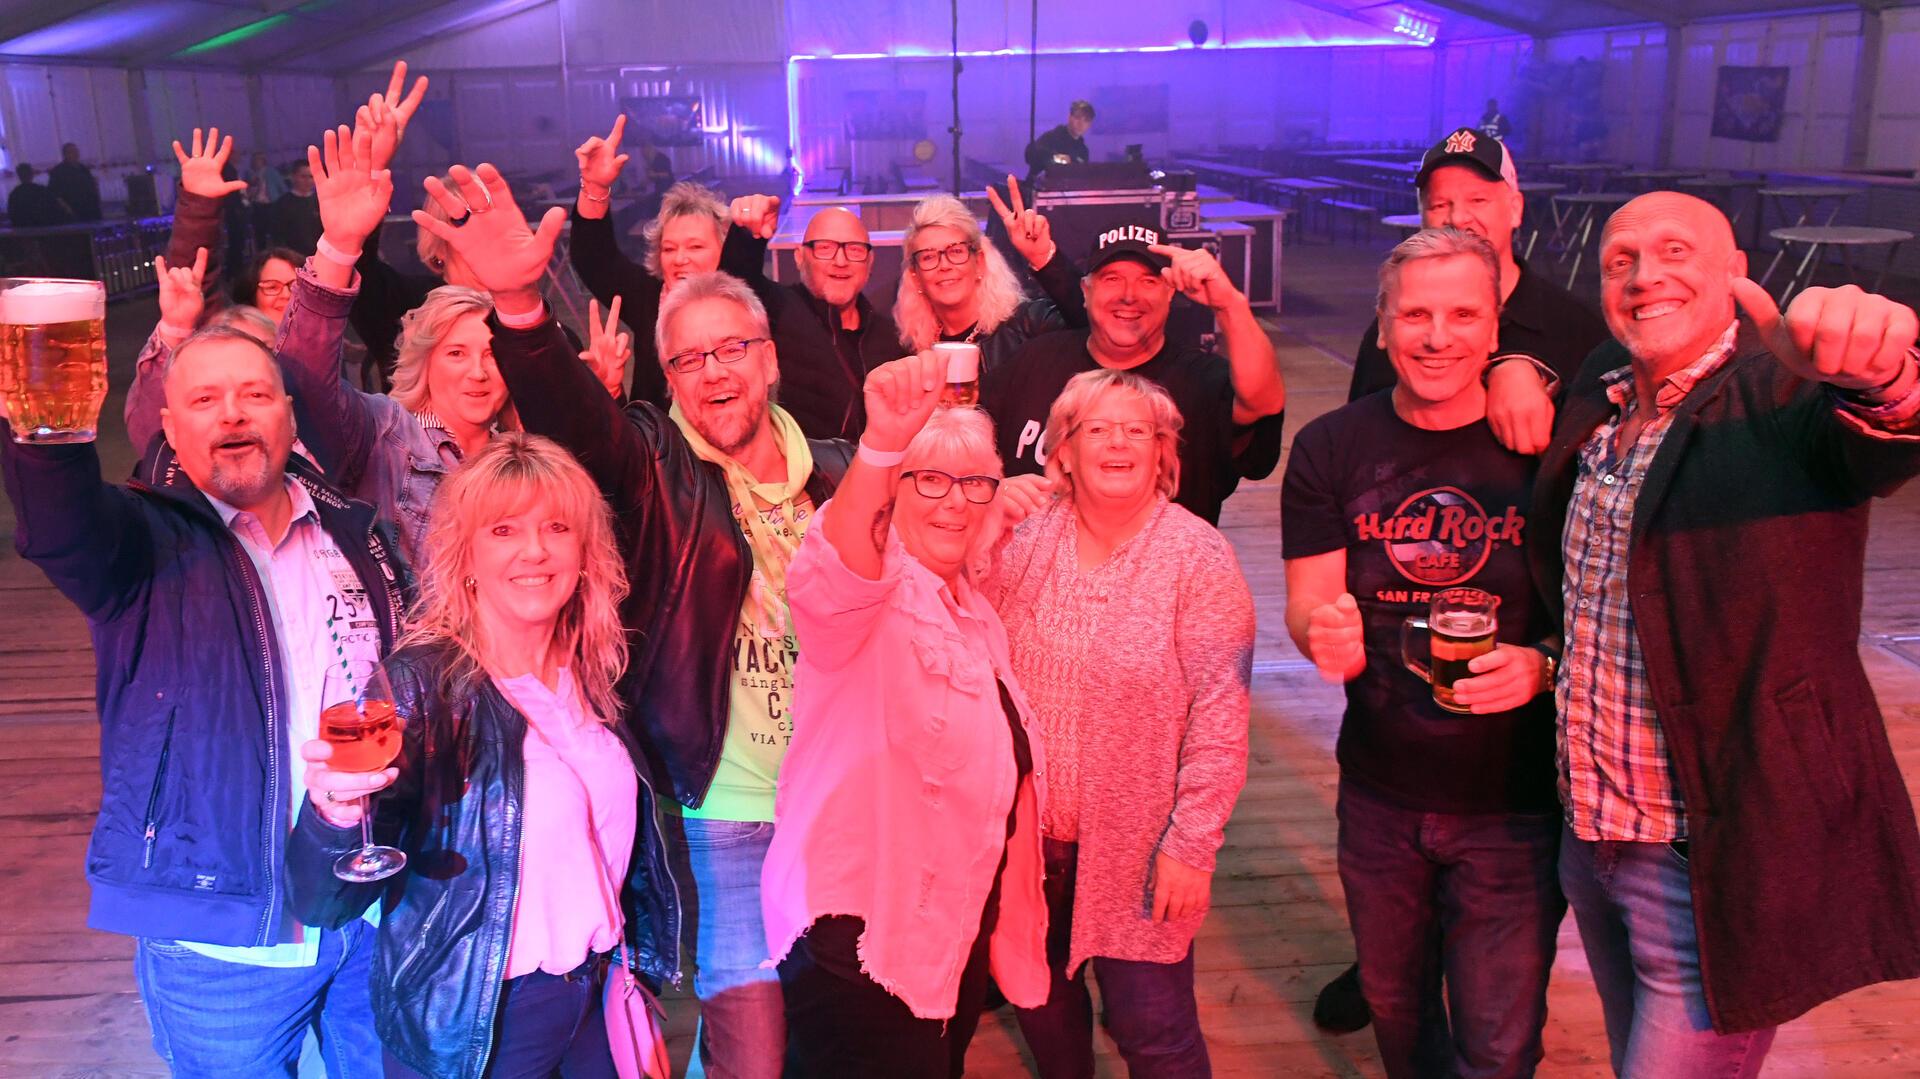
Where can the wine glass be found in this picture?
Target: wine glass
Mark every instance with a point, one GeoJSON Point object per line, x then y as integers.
{"type": "Point", "coordinates": [358, 719]}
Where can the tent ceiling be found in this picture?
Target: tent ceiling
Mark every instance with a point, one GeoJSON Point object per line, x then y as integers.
{"type": "Point", "coordinates": [336, 35]}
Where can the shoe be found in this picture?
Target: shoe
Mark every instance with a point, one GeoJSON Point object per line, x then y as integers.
{"type": "Point", "coordinates": [1340, 1008]}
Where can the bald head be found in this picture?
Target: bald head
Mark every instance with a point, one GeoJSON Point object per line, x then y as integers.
{"type": "Point", "coordinates": [1667, 266]}
{"type": "Point", "coordinates": [836, 256]}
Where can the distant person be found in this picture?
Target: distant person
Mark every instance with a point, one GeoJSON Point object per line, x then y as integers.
{"type": "Point", "coordinates": [31, 205]}
{"type": "Point", "coordinates": [294, 222]}
{"type": "Point", "coordinates": [265, 185]}
{"type": "Point", "coordinates": [1493, 122]}
{"type": "Point", "coordinates": [73, 184]}
{"type": "Point", "coordinates": [1063, 145]}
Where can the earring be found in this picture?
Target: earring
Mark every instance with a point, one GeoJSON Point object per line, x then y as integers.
{"type": "Point", "coordinates": [469, 582]}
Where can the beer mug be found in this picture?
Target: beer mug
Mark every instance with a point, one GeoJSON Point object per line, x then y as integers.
{"type": "Point", "coordinates": [53, 357]}
{"type": "Point", "coordinates": [962, 360]}
{"type": "Point", "coordinates": [1460, 625]}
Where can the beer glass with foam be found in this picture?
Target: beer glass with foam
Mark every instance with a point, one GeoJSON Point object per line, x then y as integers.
{"type": "Point", "coordinates": [963, 373]}
{"type": "Point", "coordinates": [53, 357]}
{"type": "Point", "coordinates": [1460, 625]}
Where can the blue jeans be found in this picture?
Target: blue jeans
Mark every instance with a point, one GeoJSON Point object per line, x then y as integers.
{"type": "Point", "coordinates": [549, 1025]}
{"type": "Point", "coordinates": [1148, 1008]}
{"type": "Point", "coordinates": [1470, 900]}
{"type": "Point", "coordinates": [213, 1018]}
{"type": "Point", "coordinates": [743, 1024]}
{"type": "Point", "coordinates": [1634, 905]}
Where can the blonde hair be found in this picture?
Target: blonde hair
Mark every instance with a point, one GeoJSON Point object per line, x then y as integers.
{"type": "Point", "coordinates": [685, 199]}
{"type": "Point", "coordinates": [1000, 292]}
{"type": "Point", "coordinates": [953, 433]}
{"type": "Point", "coordinates": [433, 251]}
{"type": "Point", "coordinates": [1070, 410]}
{"type": "Point", "coordinates": [421, 331]}
{"type": "Point", "coordinates": [513, 472]}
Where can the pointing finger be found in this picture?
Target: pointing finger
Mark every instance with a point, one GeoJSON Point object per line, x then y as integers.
{"type": "Point", "coordinates": [619, 130]}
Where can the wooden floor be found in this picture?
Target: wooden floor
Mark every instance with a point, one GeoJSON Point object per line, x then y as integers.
{"type": "Point", "coordinates": [1278, 928]}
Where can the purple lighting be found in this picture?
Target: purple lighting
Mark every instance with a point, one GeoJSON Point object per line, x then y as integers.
{"type": "Point", "coordinates": [110, 31]}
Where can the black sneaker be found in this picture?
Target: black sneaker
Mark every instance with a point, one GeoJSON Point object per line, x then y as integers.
{"type": "Point", "coordinates": [1340, 1008]}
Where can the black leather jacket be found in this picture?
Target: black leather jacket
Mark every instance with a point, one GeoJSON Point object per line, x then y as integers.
{"type": "Point", "coordinates": [688, 566]}
{"type": "Point", "coordinates": [447, 918]}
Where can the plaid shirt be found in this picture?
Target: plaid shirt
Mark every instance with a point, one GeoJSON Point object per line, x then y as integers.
{"type": "Point", "coordinates": [1615, 779]}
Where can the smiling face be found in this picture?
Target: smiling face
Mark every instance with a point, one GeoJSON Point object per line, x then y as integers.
{"type": "Point", "coordinates": [940, 532]}
{"type": "Point", "coordinates": [525, 567]}
{"type": "Point", "coordinates": [1667, 264]}
{"type": "Point", "coordinates": [1440, 325]}
{"type": "Point", "coordinates": [725, 402]}
{"type": "Point", "coordinates": [689, 244]}
{"type": "Point", "coordinates": [229, 420]}
{"type": "Point", "coordinates": [947, 286]}
{"type": "Point", "coordinates": [463, 383]}
{"type": "Point", "coordinates": [839, 279]}
{"type": "Point", "coordinates": [1127, 304]}
{"type": "Point", "coordinates": [1459, 196]}
{"type": "Point", "coordinates": [275, 288]}
{"type": "Point", "coordinates": [1106, 466]}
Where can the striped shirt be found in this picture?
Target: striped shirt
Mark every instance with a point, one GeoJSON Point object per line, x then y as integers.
{"type": "Point", "coordinates": [1616, 781]}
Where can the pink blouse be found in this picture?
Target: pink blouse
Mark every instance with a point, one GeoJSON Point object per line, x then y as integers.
{"type": "Point", "coordinates": [894, 796]}
{"type": "Point", "coordinates": [578, 809]}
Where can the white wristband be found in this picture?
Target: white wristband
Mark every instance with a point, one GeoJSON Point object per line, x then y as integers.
{"type": "Point", "coordinates": [521, 320]}
{"type": "Point", "coordinates": [335, 255]}
{"type": "Point", "coordinates": [880, 458]}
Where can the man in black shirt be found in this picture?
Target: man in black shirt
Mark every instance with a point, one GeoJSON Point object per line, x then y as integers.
{"type": "Point", "coordinates": [74, 185]}
{"type": "Point", "coordinates": [1063, 145]}
{"type": "Point", "coordinates": [828, 335]}
{"type": "Point", "coordinates": [31, 205]}
{"type": "Point", "coordinates": [1448, 822]}
{"type": "Point", "coordinates": [295, 216]}
{"type": "Point", "coordinates": [1467, 181]}
{"type": "Point", "coordinates": [1233, 405]}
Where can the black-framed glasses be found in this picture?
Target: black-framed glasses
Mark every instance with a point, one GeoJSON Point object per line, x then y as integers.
{"type": "Point", "coordinates": [825, 250]}
{"type": "Point", "coordinates": [933, 483]}
{"type": "Point", "coordinates": [928, 258]}
{"type": "Point", "coordinates": [1131, 430]}
{"type": "Point", "coordinates": [272, 288]}
{"type": "Point", "coordinates": [686, 363]}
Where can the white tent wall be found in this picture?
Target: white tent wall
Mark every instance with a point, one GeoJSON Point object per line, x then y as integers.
{"type": "Point", "coordinates": [1894, 126]}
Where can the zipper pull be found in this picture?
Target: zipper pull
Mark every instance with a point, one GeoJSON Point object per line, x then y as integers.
{"type": "Point", "coordinates": [146, 860]}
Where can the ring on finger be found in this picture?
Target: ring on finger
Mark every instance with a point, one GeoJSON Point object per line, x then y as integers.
{"type": "Point", "coordinates": [331, 798]}
{"type": "Point", "coordinates": [471, 208]}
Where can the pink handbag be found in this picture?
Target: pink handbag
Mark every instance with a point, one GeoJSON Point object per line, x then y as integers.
{"type": "Point", "coordinates": [636, 1024]}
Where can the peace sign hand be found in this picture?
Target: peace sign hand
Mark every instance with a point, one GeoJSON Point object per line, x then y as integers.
{"type": "Point", "coordinates": [608, 352]}
{"type": "Point", "coordinates": [494, 239]}
{"type": "Point", "coordinates": [387, 115]}
{"type": "Point", "coordinates": [200, 171]}
{"type": "Point", "coordinates": [1852, 339]}
{"type": "Point", "coordinates": [1028, 229]}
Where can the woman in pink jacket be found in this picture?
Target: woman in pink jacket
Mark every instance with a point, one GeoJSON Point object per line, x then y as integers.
{"type": "Point", "coordinates": [907, 864]}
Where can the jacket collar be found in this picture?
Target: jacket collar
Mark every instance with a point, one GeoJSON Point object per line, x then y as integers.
{"type": "Point", "coordinates": [159, 472]}
{"type": "Point", "coordinates": [826, 314]}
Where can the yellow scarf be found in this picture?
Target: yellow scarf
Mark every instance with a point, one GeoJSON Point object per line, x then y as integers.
{"type": "Point", "coordinates": [772, 549]}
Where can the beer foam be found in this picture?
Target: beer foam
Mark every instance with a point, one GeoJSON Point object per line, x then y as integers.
{"type": "Point", "coordinates": [963, 359]}
{"type": "Point", "coordinates": [39, 303]}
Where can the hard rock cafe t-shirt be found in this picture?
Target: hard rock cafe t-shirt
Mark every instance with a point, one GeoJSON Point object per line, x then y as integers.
{"type": "Point", "coordinates": [1419, 511]}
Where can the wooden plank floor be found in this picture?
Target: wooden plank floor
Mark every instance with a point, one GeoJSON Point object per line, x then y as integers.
{"type": "Point", "coordinates": [1278, 928]}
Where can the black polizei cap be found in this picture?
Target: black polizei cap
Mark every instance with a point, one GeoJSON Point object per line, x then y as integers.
{"type": "Point", "coordinates": [1132, 240]}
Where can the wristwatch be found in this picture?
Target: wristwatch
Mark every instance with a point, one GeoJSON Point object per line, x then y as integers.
{"type": "Point", "coordinates": [1553, 666]}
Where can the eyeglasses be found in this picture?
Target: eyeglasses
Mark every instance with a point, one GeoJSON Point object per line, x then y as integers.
{"type": "Point", "coordinates": [955, 255]}
{"type": "Point", "coordinates": [686, 363]}
{"type": "Point", "coordinates": [825, 250]}
{"type": "Point", "coordinates": [272, 288]}
{"type": "Point", "coordinates": [1132, 430]}
{"type": "Point", "coordinates": [932, 483]}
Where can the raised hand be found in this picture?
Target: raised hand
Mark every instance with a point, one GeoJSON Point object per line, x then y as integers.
{"type": "Point", "coordinates": [387, 115]}
{"type": "Point", "coordinates": [900, 397]}
{"type": "Point", "coordinates": [1336, 640]}
{"type": "Point", "coordinates": [600, 158]}
{"type": "Point", "coordinates": [353, 195]}
{"type": "Point", "coordinates": [181, 300]}
{"type": "Point", "coordinates": [1197, 274]}
{"type": "Point", "coordinates": [1503, 679]}
{"type": "Point", "coordinates": [1028, 229]}
{"type": "Point", "coordinates": [609, 351]}
{"type": "Point", "coordinates": [506, 256]}
{"type": "Point", "coordinates": [200, 170]}
{"type": "Point", "coordinates": [758, 214]}
{"type": "Point", "coordinates": [1844, 336]}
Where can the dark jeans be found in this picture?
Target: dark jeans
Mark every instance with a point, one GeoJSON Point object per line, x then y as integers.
{"type": "Point", "coordinates": [550, 1025]}
{"type": "Point", "coordinates": [1469, 899]}
{"type": "Point", "coordinates": [842, 1023]}
{"type": "Point", "coordinates": [1149, 1008]}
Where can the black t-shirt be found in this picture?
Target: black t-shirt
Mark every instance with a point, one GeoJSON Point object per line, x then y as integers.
{"type": "Point", "coordinates": [1215, 453]}
{"type": "Point", "coordinates": [1418, 511]}
{"type": "Point", "coordinates": [1053, 144]}
{"type": "Point", "coordinates": [1540, 319]}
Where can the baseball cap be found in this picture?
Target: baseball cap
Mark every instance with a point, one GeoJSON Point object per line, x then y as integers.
{"type": "Point", "coordinates": [1466, 146]}
{"type": "Point", "coordinates": [1129, 240]}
